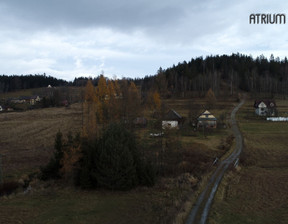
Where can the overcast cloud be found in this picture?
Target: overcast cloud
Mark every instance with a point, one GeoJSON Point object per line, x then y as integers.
{"type": "Point", "coordinates": [132, 38]}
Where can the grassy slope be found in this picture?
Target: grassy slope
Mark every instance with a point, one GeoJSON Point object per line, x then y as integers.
{"type": "Point", "coordinates": [27, 141]}
{"type": "Point", "coordinates": [258, 192]}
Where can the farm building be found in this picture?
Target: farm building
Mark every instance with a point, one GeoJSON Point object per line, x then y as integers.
{"type": "Point", "coordinates": [172, 120]}
{"type": "Point", "coordinates": [207, 120]}
{"type": "Point", "coordinates": [1, 108]}
{"type": "Point", "coordinates": [140, 122]}
{"type": "Point", "coordinates": [265, 107]}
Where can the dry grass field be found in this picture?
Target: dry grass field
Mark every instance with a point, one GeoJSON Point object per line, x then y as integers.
{"type": "Point", "coordinates": [257, 192]}
{"type": "Point", "coordinates": [27, 141]}
{"type": "Point", "coordinates": [27, 138]}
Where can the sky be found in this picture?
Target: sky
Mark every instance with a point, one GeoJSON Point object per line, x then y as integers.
{"type": "Point", "coordinates": [131, 38]}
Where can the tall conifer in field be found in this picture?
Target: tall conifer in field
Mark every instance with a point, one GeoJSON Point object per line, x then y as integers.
{"type": "Point", "coordinates": [89, 111]}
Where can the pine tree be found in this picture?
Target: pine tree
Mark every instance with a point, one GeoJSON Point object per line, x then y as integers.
{"type": "Point", "coordinates": [102, 97]}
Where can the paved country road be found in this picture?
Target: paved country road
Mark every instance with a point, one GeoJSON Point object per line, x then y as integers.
{"type": "Point", "coordinates": [200, 211]}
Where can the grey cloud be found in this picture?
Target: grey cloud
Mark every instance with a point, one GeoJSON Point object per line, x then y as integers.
{"type": "Point", "coordinates": [88, 13]}
{"type": "Point", "coordinates": [116, 35]}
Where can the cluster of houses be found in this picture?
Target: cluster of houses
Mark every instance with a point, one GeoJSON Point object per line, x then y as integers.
{"type": "Point", "coordinates": [208, 120]}
{"type": "Point", "coordinates": [30, 100]}
{"type": "Point", "coordinates": [175, 120]}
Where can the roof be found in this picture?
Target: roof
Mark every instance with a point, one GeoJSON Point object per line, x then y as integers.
{"type": "Point", "coordinates": [268, 103]}
{"type": "Point", "coordinates": [140, 121]}
{"type": "Point", "coordinates": [206, 116]}
{"type": "Point", "coordinates": [173, 115]}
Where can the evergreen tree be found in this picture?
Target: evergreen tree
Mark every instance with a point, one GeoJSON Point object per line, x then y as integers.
{"type": "Point", "coordinates": [51, 170]}
{"type": "Point", "coordinates": [116, 165]}
{"type": "Point", "coordinates": [113, 162]}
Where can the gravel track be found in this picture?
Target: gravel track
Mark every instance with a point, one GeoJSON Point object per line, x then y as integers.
{"type": "Point", "coordinates": [200, 211]}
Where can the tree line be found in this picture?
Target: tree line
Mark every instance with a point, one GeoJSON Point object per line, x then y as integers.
{"type": "Point", "coordinates": [16, 82]}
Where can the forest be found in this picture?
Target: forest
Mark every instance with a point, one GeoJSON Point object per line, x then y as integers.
{"type": "Point", "coordinates": [19, 82]}
{"type": "Point", "coordinates": [237, 71]}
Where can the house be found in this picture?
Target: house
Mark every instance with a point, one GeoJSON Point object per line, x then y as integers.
{"type": "Point", "coordinates": [265, 107]}
{"type": "Point", "coordinates": [1, 108]}
{"type": "Point", "coordinates": [207, 120]}
{"type": "Point", "coordinates": [172, 120]}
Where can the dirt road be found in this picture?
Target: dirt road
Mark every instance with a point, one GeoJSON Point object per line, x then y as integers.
{"type": "Point", "coordinates": [200, 211]}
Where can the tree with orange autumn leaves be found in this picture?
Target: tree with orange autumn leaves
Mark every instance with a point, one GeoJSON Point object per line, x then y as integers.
{"type": "Point", "coordinates": [154, 101]}
{"type": "Point", "coordinates": [110, 102]}
{"type": "Point", "coordinates": [90, 105]}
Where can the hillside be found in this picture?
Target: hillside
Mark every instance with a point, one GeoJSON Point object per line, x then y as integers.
{"type": "Point", "coordinates": [258, 76]}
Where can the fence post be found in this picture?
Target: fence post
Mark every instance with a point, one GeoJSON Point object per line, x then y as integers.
{"type": "Point", "coordinates": [1, 177]}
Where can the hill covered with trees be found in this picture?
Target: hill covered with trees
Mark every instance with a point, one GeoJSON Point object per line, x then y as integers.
{"type": "Point", "coordinates": [19, 82]}
{"type": "Point", "coordinates": [225, 75]}
{"type": "Point", "coordinates": [237, 71]}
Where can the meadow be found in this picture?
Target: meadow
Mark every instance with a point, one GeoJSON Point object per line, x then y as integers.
{"type": "Point", "coordinates": [257, 191]}
{"type": "Point", "coordinates": [27, 138]}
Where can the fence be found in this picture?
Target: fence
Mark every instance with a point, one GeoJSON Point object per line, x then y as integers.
{"type": "Point", "coordinates": [277, 118]}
